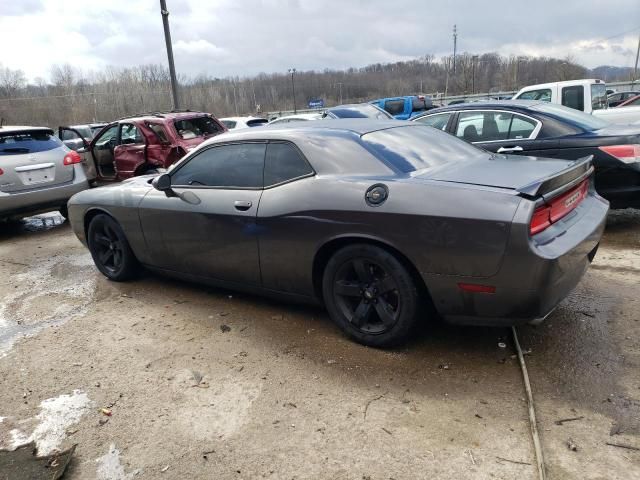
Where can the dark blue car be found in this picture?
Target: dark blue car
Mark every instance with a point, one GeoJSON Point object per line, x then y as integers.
{"type": "Point", "coordinates": [542, 129]}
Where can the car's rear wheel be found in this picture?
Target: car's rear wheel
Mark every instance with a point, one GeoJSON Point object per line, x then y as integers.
{"type": "Point", "coordinates": [370, 295]}
{"type": "Point", "coordinates": [110, 249]}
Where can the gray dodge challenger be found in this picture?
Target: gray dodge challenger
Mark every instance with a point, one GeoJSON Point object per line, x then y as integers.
{"type": "Point", "coordinates": [384, 222]}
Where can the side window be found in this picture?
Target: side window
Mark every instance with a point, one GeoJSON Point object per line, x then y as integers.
{"type": "Point", "coordinates": [544, 95]}
{"type": "Point", "coordinates": [230, 166]}
{"type": "Point", "coordinates": [394, 107]}
{"type": "Point", "coordinates": [159, 131]}
{"type": "Point", "coordinates": [130, 135]}
{"type": "Point", "coordinates": [283, 162]}
{"type": "Point", "coordinates": [438, 121]}
{"type": "Point", "coordinates": [521, 127]}
{"type": "Point", "coordinates": [483, 126]}
{"type": "Point", "coordinates": [107, 137]}
{"type": "Point", "coordinates": [573, 97]}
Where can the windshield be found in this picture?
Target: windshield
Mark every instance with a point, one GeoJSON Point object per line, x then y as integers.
{"type": "Point", "coordinates": [27, 142]}
{"type": "Point", "coordinates": [599, 96]}
{"type": "Point", "coordinates": [415, 147]}
{"type": "Point", "coordinates": [360, 111]}
{"type": "Point", "coordinates": [582, 120]}
{"type": "Point", "coordinates": [197, 127]}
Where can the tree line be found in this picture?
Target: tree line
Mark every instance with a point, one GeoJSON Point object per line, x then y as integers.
{"type": "Point", "coordinates": [72, 96]}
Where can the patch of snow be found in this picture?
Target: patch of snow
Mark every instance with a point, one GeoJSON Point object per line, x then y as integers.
{"type": "Point", "coordinates": [110, 467]}
{"type": "Point", "coordinates": [56, 415]}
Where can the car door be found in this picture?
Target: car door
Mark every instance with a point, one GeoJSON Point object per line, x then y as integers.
{"type": "Point", "coordinates": [206, 224]}
{"type": "Point", "coordinates": [101, 152]}
{"type": "Point", "coordinates": [502, 131]}
{"type": "Point", "coordinates": [130, 152]}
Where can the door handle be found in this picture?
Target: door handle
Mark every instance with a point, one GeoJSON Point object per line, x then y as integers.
{"type": "Point", "coordinates": [242, 205]}
{"type": "Point", "coordinates": [510, 149]}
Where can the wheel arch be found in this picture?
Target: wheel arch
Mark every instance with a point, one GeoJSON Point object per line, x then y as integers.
{"type": "Point", "coordinates": [324, 253]}
{"type": "Point", "coordinates": [90, 215]}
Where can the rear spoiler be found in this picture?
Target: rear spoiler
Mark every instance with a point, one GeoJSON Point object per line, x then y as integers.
{"type": "Point", "coordinates": [566, 179]}
{"type": "Point", "coordinates": [22, 131]}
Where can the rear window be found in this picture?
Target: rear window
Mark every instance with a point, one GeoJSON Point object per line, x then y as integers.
{"type": "Point", "coordinates": [197, 127]}
{"type": "Point", "coordinates": [583, 121]}
{"type": "Point", "coordinates": [598, 96]}
{"type": "Point", "coordinates": [359, 111]}
{"type": "Point", "coordinates": [229, 124]}
{"type": "Point", "coordinates": [257, 122]}
{"type": "Point", "coordinates": [394, 107]}
{"type": "Point", "coordinates": [28, 142]}
{"type": "Point", "coordinates": [417, 147]}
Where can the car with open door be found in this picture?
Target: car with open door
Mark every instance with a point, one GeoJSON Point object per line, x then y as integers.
{"type": "Point", "coordinates": [77, 136]}
{"type": "Point", "coordinates": [145, 143]}
{"type": "Point", "coordinates": [387, 223]}
{"type": "Point", "coordinates": [543, 129]}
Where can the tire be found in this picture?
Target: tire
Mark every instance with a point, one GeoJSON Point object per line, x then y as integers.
{"type": "Point", "coordinates": [64, 211]}
{"type": "Point", "coordinates": [110, 249]}
{"type": "Point", "coordinates": [370, 295]}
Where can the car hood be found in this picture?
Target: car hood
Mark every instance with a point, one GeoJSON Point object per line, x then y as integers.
{"type": "Point", "coordinates": [515, 172]}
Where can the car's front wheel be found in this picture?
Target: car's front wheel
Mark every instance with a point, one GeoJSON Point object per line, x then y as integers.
{"type": "Point", "coordinates": [110, 249]}
{"type": "Point", "coordinates": [370, 295]}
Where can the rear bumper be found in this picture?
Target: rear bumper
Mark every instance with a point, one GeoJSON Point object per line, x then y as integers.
{"type": "Point", "coordinates": [536, 274]}
{"type": "Point", "coordinates": [44, 198]}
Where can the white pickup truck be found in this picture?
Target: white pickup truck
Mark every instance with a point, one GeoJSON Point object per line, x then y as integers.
{"type": "Point", "coordinates": [589, 95]}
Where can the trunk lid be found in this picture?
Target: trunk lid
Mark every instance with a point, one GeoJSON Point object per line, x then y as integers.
{"type": "Point", "coordinates": [31, 159]}
{"type": "Point", "coordinates": [529, 176]}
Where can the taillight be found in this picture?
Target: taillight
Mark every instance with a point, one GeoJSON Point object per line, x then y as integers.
{"type": "Point", "coordinates": [72, 157]}
{"type": "Point", "coordinates": [1, 171]}
{"type": "Point", "coordinates": [624, 153]}
{"type": "Point", "coordinates": [549, 213]}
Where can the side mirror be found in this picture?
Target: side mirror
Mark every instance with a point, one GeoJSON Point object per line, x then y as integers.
{"type": "Point", "coordinates": [162, 183]}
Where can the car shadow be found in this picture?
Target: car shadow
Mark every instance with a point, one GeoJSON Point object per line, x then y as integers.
{"type": "Point", "coordinates": [42, 223]}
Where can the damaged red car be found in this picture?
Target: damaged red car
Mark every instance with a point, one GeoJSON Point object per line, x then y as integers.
{"type": "Point", "coordinates": [145, 143]}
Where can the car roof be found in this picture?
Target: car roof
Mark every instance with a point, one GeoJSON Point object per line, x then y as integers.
{"type": "Point", "coordinates": [21, 128]}
{"type": "Point", "coordinates": [300, 115]}
{"type": "Point", "coordinates": [163, 115]}
{"type": "Point", "coordinates": [582, 81]}
{"type": "Point", "coordinates": [516, 104]}
{"type": "Point", "coordinates": [241, 119]}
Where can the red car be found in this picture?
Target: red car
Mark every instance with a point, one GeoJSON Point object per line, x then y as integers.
{"type": "Point", "coordinates": [630, 102]}
{"type": "Point", "coordinates": [144, 143]}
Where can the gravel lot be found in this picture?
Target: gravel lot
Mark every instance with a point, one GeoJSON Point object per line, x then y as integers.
{"type": "Point", "coordinates": [202, 383]}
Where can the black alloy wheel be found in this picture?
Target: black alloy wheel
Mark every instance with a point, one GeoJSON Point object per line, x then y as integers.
{"type": "Point", "coordinates": [370, 295]}
{"type": "Point", "coordinates": [110, 249]}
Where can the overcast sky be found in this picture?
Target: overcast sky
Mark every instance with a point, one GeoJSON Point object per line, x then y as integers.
{"type": "Point", "coordinates": [244, 37]}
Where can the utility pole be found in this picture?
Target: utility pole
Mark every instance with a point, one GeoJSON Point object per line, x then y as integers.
{"type": "Point", "coordinates": [292, 71]}
{"type": "Point", "coordinates": [635, 69]}
{"type": "Point", "coordinates": [455, 47]}
{"type": "Point", "coordinates": [167, 38]}
{"type": "Point", "coordinates": [340, 88]}
{"type": "Point", "coordinates": [474, 60]}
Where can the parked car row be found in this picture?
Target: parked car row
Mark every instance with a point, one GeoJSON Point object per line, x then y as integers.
{"type": "Point", "coordinates": [151, 142]}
